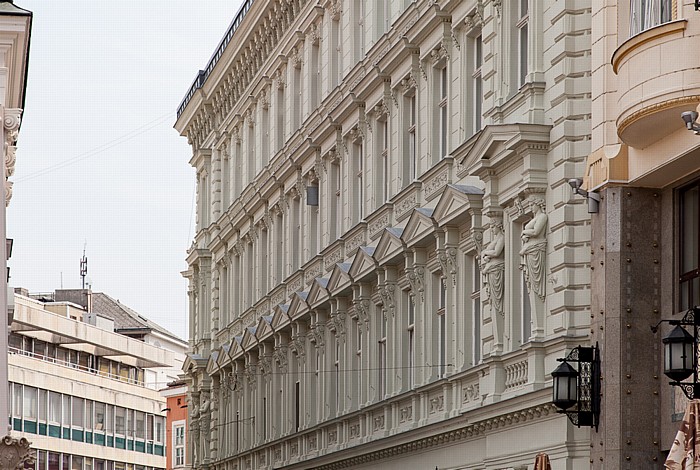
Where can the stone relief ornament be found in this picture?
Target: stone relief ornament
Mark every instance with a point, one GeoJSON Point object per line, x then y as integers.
{"type": "Point", "coordinates": [415, 278]}
{"type": "Point", "coordinates": [534, 249]}
{"type": "Point", "coordinates": [493, 266]}
{"type": "Point", "coordinates": [15, 454]}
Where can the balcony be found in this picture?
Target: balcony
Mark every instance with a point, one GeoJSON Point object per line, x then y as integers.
{"type": "Point", "coordinates": [657, 80]}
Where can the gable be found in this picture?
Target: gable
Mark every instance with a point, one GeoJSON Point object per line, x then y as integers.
{"type": "Point", "coordinates": [456, 202]}
{"type": "Point", "coordinates": [340, 278]}
{"type": "Point", "coordinates": [318, 292]}
{"type": "Point", "coordinates": [298, 306]}
{"type": "Point", "coordinates": [363, 264]}
{"type": "Point", "coordinates": [265, 327]}
{"type": "Point", "coordinates": [280, 317]}
{"type": "Point", "coordinates": [419, 227]}
{"type": "Point", "coordinates": [390, 246]}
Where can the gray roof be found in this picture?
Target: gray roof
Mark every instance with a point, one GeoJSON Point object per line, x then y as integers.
{"type": "Point", "coordinates": [125, 318]}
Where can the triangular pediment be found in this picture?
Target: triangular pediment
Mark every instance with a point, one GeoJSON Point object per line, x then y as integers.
{"type": "Point", "coordinates": [495, 145]}
{"type": "Point", "coordinates": [318, 292]}
{"type": "Point", "coordinates": [193, 362]}
{"type": "Point", "coordinates": [390, 246]}
{"type": "Point", "coordinates": [363, 264]}
{"type": "Point", "coordinates": [212, 365]}
{"type": "Point", "coordinates": [237, 349]}
{"type": "Point", "coordinates": [280, 317]}
{"type": "Point", "coordinates": [456, 202]}
{"type": "Point", "coordinates": [265, 329]}
{"type": "Point", "coordinates": [249, 338]}
{"type": "Point", "coordinates": [419, 228]}
{"type": "Point", "coordinates": [340, 278]}
{"type": "Point", "coordinates": [298, 306]}
{"type": "Point", "coordinates": [224, 358]}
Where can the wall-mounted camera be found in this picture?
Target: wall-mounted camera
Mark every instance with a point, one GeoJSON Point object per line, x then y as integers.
{"type": "Point", "coordinates": [593, 198]}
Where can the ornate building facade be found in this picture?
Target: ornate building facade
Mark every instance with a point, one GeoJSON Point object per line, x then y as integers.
{"type": "Point", "coordinates": [388, 258]}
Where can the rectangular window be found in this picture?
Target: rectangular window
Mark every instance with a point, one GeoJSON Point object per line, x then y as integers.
{"type": "Point", "coordinates": [522, 27]}
{"type": "Point", "coordinates": [411, 341]}
{"type": "Point", "coordinates": [99, 416]}
{"type": "Point", "coordinates": [78, 412]}
{"type": "Point", "coordinates": [442, 347]}
{"type": "Point", "coordinates": [360, 195]}
{"type": "Point", "coordinates": [645, 14]}
{"type": "Point", "coordinates": [140, 425]}
{"type": "Point", "coordinates": [336, 375]}
{"type": "Point", "coordinates": [526, 319]}
{"type": "Point", "coordinates": [55, 408]}
{"type": "Point", "coordinates": [476, 311]}
{"type": "Point", "coordinates": [442, 108]}
{"type": "Point", "coordinates": [412, 157]}
{"type": "Point", "coordinates": [382, 356]}
{"type": "Point", "coordinates": [297, 406]}
{"type": "Point", "coordinates": [109, 421]}
{"type": "Point", "coordinates": [478, 93]}
{"type": "Point", "coordinates": [120, 420]}
{"type": "Point", "coordinates": [689, 288]}
{"type": "Point", "coordinates": [30, 403]}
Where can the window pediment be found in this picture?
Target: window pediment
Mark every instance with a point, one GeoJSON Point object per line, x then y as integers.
{"type": "Point", "coordinates": [496, 146]}
{"type": "Point", "coordinates": [456, 203]}
{"type": "Point", "coordinates": [363, 263]}
{"type": "Point", "coordinates": [340, 278]}
{"type": "Point", "coordinates": [298, 306]}
{"type": "Point", "coordinates": [280, 318]}
{"type": "Point", "coordinates": [390, 246]}
{"type": "Point", "coordinates": [419, 227]}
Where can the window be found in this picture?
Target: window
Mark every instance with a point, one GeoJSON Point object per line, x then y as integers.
{"type": "Point", "coordinates": [382, 356]}
{"type": "Point", "coordinates": [476, 311]}
{"type": "Point", "coordinates": [140, 425]}
{"type": "Point", "coordinates": [521, 25]}
{"type": "Point", "coordinates": [336, 375]}
{"type": "Point", "coordinates": [359, 162]}
{"type": "Point", "coordinates": [337, 226]}
{"type": "Point", "coordinates": [78, 412]}
{"type": "Point", "coordinates": [297, 406]}
{"type": "Point", "coordinates": [411, 342]}
{"type": "Point", "coordinates": [442, 109]}
{"type": "Point", "coordinates": [645, 14]}
{"type": "Point", "coordinates": [179, 443]}
{"type": "Point", "coordinates": [99, 416]}
{"type": "Point", "coordinates": [526, 319]}
{"type": "Point", "coordinates": [442, 347]}
{"type": "Point", "coordinates": [382, 179]}
{"type": "Point", "coordinates": [478, 93]}
{"type": "Point", "coordinates": [30, 403]}
{"type": "Point", "coordinates": [412, 157]}
{"type": "Point", "coordinates": [55, 408]}
{"type": "Point", "coordinates": [689, 288]}
{"type": "Point", "coordinates": [120, 420]}
{"type": "Point", "coordinates": [336, 52]}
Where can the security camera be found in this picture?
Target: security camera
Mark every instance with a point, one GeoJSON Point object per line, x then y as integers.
{"type": "Point", "coordinates": [689, 118]}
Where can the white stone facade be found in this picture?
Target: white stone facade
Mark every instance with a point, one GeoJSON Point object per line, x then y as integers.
{"type": "Point", "coordinates": [388, 258]}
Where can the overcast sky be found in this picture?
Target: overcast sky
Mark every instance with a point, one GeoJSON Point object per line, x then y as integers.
{"type": "Point", "coordinates": [98, 161]}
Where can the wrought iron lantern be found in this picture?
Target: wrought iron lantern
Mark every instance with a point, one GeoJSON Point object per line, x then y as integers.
{"type": "Point", "coordinates": [681, 352]}
{"type": "Point", "coordinates": [577, 391]}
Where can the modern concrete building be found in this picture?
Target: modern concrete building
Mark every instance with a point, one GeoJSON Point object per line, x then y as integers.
{"type": "Point", "coordinates": [78, 388]}
{"type": "Point", "coordinates": [388, 257]}
{"type": "Point", "coordinates": [645, 166]}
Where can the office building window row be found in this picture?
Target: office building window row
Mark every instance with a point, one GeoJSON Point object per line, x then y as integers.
{"type": "Point", "coordinates": [46, 460]}
{"type": "Point", "coordinates": [48, 413]}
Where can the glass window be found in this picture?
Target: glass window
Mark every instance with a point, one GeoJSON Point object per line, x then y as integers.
{"type": "Point", "coordinates": [149, 421]}
{"type": "Point", "coordinates": [66, 410]}
{"type": "Point", "coordinates": [55, 407]}
{"type": "Point", "coordinates": [30, 403]}
{"type": "Point", "coordinates": [76, 463]}
{"type": "Point", "coordinates": [78, 412]}
{"type": "Point", "coordinates": [54, 461]}
{"type": "Point", "coordinates": [120, 420]}
{"type": "Point", "coordinates": [159, 424]}
{"type": "Point", "coordinates": [89, 404]}
{"type": "Point", "coordinates": [42, 405]}
{"type": "Point", "coordinates": [645, 14]}
{"type": "Point", "coordinates": [17, 400]}
{"type": "Point", "coordinates": [99, 416]}
{"type": "Point", "coordinates": [689, 216]}
{"type": "Point", "coordinates": [140, 425]}
{"type": "Point", "coordinates": [109, 419]}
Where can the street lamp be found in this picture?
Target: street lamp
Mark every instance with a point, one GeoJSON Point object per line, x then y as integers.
{"type": "Point", "coordinates": [576, 392]}
{"type": "Point", "coordinates": [681, 352]}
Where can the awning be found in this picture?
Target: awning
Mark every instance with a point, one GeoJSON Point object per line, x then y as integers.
{"type": "Point", "coordinates": [685, 452]}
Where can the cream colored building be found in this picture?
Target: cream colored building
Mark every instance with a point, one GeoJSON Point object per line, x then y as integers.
{"type": "Point", "coordinates": [388, 257]}
{"type": "Point", "coordinates": [645, 165]}
{"type": "Point", "coordinates": [78, 390]}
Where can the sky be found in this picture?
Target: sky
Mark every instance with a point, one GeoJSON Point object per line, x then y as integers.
{"type": "Point", "coordinates": [99, 166]}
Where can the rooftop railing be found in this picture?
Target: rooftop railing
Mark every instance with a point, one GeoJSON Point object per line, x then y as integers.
{"type": "Point", "coordinates": [202, 75]}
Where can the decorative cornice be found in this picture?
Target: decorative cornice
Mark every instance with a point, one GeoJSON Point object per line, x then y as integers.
{"type": "Point", "coordinates": [655, 108]}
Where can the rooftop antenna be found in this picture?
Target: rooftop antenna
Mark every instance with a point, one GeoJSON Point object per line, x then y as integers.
{"type": "Point", "coordinates": [83, 265]}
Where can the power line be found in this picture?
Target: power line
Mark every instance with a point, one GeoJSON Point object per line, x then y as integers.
{"type": "Point", "coordinates": [99, 149]}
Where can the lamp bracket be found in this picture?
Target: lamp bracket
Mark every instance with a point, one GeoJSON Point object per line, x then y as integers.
{"type": "Point", "coordinates": [587, 411]}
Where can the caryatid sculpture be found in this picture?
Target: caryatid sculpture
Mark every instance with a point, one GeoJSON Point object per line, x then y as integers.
{"type": "Point", "coordinates": [493, 266]}
{"type": "Point", "coordinates": [534, 250]}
